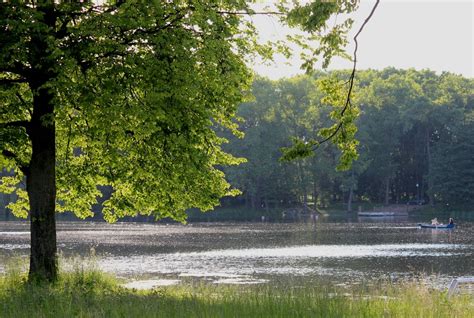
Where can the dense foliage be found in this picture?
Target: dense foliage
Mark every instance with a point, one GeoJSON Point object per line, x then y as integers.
{"type": "Point", "coordinates": [127, 114]}
{"type": "Point", "coordinates": [415, 134]}
{"type": "Point", "coordinates": [134, 89]}
{"type": "Point", "coordinates": [124, 95]}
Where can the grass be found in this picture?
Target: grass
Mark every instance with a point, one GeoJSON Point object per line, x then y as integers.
{"type": "Point", "coordinates": [91, 293]}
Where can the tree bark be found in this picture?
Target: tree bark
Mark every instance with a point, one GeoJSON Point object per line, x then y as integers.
{"type": "Point", "coordinates": [41, 171]}
{"type": "Point", "coordinates": [41, 188]}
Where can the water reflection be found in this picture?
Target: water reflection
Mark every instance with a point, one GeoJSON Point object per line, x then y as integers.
{"type": "Point", "coordinates": [11, 247]}
{"type": "Point", "coordinates": [336, 251]}
{"type": "Point", "coordinates": [313, 260]}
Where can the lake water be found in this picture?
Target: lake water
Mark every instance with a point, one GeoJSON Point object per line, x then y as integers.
{"type": "Point", "coordinates": [342, 252]}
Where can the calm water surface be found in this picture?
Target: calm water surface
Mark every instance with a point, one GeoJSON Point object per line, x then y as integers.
{"type": "Point", "coordinates": [341, 252]}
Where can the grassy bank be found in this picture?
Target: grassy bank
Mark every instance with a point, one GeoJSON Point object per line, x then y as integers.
{"type": "Point", "coordinates": [94, 294]}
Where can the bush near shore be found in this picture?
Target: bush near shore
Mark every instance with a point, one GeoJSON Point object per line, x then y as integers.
{"type": "Point", "coordinates": [91, 293]}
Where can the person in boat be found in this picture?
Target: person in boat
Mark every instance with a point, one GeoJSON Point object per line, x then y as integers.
{"type": "Point", "coordinates": [451, 221]}
{"type": "Point", "coordinates": [434, 221]}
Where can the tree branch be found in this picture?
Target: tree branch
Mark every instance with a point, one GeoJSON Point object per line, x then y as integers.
{"type": "Point", "coordinates": [17, 68]}
{"type": "Point", "coordinates": [63, 32]}
{"type": "Point", "coordinates": [11, 81]}
{"type": "Point", "coordinates": [23, 167]}
{"type": "Point", "coordinates": [19, 123]}
{"type": "Point", "coordinates": [351, 78]}
{"type": "Point", "coordinates": [8, 154]}
{"type": "Point", "coordinates": [251, 13]}
{"type": "Point", "coordinates": [22, 100]}
{"type": "Point", "coordinates": [320, 142]}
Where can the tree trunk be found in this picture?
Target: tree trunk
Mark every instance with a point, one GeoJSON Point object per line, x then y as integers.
{"type": "Point", "coordinates": [41, 188]}
{"type": "Point", "coordinates": [267, 205]}
{"type": "Point", "coordinates": [253, 201]}
{"type": "Point", "coordinates": [315, 195]}
{"type": "Point", "coordinates": [247, 199]}
{"type": "Point", "coordinates": [428, 158]}
{"type": "Point", "coordinates": [387, 191]}
{"type": "Point", "coordinates": [349, 200]}
{"type": "Point", "coordinates": [351, 192]}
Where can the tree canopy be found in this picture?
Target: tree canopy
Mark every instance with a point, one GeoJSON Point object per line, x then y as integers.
{"type": "Point", "coordinates": [414, 128]}
{"type": "Point", "coordinates": [125, 94]}
{"type": "Point", "coordinates": [136, 87]}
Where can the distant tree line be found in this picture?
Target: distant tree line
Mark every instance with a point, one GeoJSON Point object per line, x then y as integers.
{"type": "Point", "coordinates": [416, 134]}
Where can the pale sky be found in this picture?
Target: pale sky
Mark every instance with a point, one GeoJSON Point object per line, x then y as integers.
{"type": "Point", "coordinates": [420, 34]}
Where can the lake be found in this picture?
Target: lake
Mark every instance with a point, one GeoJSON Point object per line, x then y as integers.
{"type": "Point", "coordinates": [343, 252]}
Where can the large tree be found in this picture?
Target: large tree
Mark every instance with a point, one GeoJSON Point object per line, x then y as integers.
{"type": "Point", "coordinates": [125, 94]}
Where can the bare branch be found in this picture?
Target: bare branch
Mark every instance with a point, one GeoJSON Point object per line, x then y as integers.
{"type": "Point", "coordinates": [352, 77]}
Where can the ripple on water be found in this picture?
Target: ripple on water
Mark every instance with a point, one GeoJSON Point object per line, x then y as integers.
{"type": "Point", "coordinates": [227, 253]}
{"type": "Point", "coordinates": [335, 251]}
{"type": "Point", "coordinates": [12, 233]}
{"type": "Point", "coordinates": [241, 281]}
{"type": "Point", "coordinates": [233, 263]}
{"type": "Point", "coordinates": [12, 246]}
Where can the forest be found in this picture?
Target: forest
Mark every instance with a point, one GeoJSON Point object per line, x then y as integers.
{"type": "Point", "coordinates": [415, 142]}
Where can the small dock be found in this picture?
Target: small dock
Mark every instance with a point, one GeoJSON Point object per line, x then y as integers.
{"type": "Point", "coordinates": [382, 214]}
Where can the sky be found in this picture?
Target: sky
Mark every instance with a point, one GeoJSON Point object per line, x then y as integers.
{"type": "Point", "coordinates": [420, 34]}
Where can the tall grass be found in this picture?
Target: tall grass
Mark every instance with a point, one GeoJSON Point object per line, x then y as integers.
{"type": "Point", "coordinates": [90, 293]}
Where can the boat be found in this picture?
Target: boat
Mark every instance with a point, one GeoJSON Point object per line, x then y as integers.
{"type": "Point", "coordinates": [380, 214]}
{"type": "Point", "coordinates": [436, 226]}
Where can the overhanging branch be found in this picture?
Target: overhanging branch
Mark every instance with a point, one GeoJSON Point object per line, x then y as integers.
{"type": "Point", "coordinates": [352, 77]}
{"type": "Point", "coordinates": [348, 103]}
